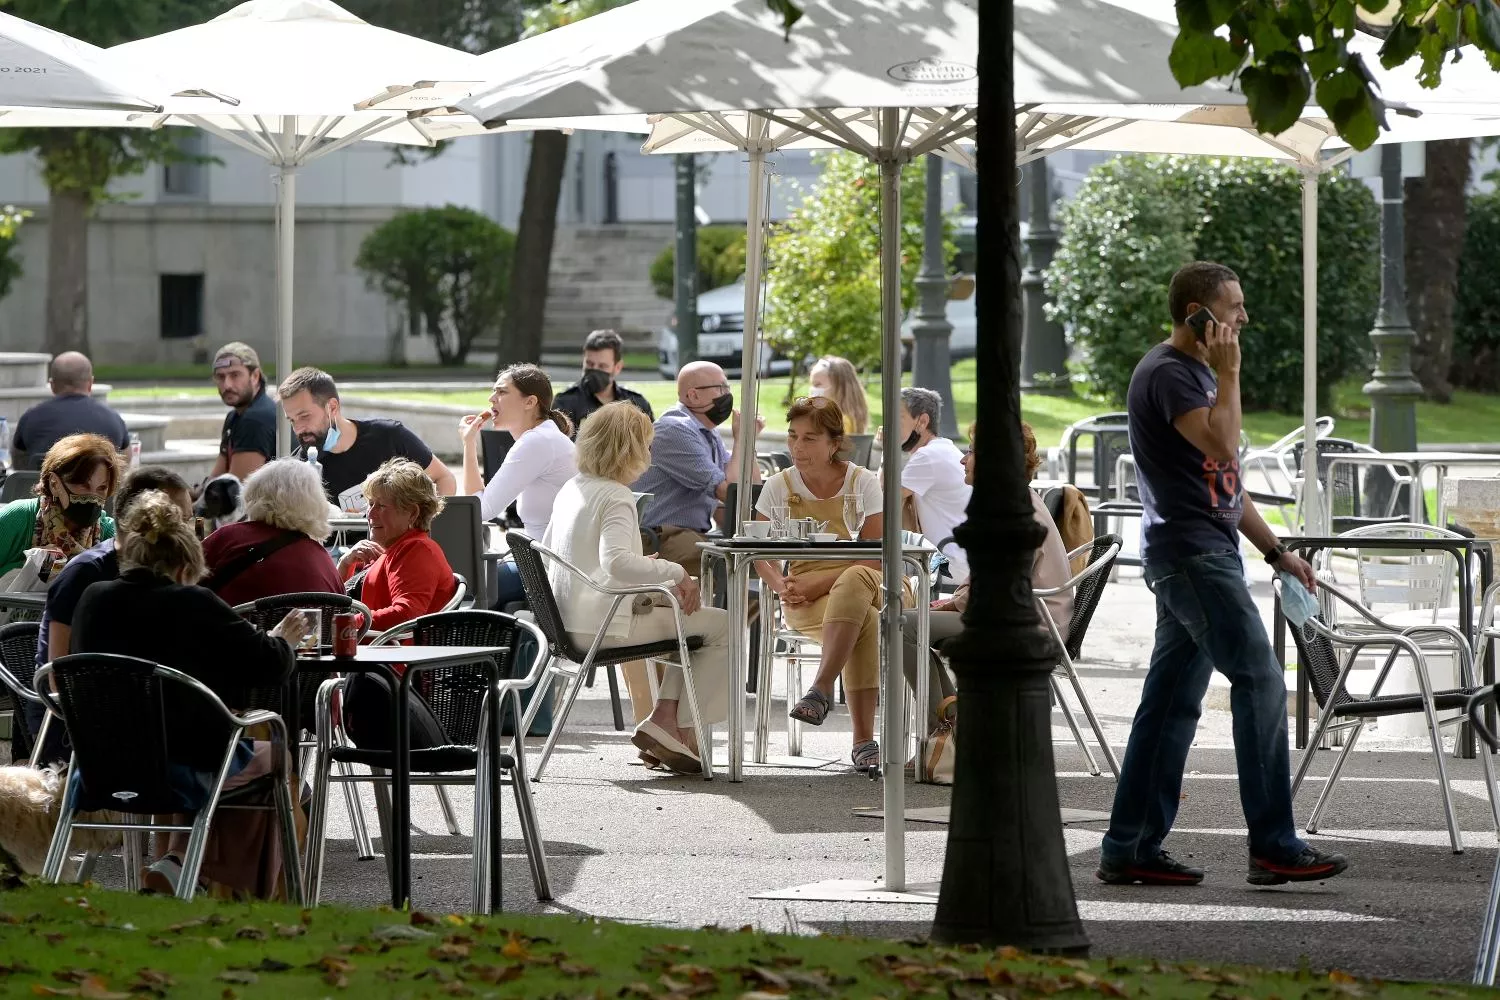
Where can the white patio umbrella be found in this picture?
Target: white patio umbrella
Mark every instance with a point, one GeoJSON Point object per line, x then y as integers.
{"type": "Point", "coordinates": [891, 79]}
{"type": "Point", "coordinates": [42, 68]}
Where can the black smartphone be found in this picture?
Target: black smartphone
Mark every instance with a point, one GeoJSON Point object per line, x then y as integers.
{"type": "Point", "coordinates": [1198, 322]}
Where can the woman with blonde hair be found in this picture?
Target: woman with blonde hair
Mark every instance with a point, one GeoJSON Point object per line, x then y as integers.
{"type": "Point", "coordinates": [78, 476]}
{"type": "Point", "coordinates": [835, 378]}
{"type": "Point", "coordinates": [408, 575]}
{"type": "Point", "coordinates": [595, 528]}
{"type": "Point", "coordinates": [278, 548]}
{"type": "Point", "coordinates": [834, 602]}
{"type": "Point", "coordinates": [156, 611]}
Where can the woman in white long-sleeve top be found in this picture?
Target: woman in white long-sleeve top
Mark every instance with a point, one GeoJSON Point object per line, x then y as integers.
{"type": "Point", "coordinates": [535, 468]}
{"type": "Point", "coordinates": [594, 527]}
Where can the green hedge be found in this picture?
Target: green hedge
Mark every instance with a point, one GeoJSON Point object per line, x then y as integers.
{"type": "Point", "coordinates": [1476, 311]}
{"type": "Point", "coordinates": [1136, 219]}
{"type": "Point", "coordinates": [721, 261]}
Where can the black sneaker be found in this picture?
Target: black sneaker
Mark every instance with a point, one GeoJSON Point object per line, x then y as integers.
{"type": "Point", "coordinates": [1160, 870]}
{"type": "Point", "coordinates": [1309, 866]}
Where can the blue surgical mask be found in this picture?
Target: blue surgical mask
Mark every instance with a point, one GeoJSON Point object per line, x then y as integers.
{"type": "Point", "coordinates": [331, 439]}
{"type": "Point", "coordinates": [1296, 603]}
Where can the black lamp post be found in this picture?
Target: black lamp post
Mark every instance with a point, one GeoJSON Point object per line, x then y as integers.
{"type": "Point", "coordinates": [1044, 348]}
{"type": "Point", "coordinates": [1393, 389]}
{"type": "Point", "coordinates": [1005, 875]}
{"type": "Point", "coordinates": [931, 364]}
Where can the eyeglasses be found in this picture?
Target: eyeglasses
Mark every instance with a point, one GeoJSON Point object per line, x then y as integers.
{"type": "Point", "coordinates": [813, 402]}
{"type": "Point", "coordinates": [723, 387]}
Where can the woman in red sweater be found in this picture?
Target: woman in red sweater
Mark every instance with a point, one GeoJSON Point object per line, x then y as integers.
{"type": "Point", "coordinates": [408, 574]}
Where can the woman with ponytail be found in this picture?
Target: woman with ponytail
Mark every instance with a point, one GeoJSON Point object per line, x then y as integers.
{"type": "Point", "coordinates": [536, 466]}
{"type": "Point", "coordinates": [156, 611]}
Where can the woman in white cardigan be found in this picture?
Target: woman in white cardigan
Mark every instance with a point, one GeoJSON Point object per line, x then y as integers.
{"type": "Point", "coordinates": [594, 527]}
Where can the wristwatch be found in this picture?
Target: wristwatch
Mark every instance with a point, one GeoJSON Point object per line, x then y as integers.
{"type": "Point", "coordinates": [1274, 556]}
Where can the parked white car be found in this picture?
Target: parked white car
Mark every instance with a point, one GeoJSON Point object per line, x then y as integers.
{"type": "Point", "coordinates": [960, 313]}
{"type": "Point", "coordinates": [721, 336]}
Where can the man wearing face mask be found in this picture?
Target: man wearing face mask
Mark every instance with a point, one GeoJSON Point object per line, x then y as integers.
{"type": "Point", "coordinates": [603, 360]}
{"type": "Point", "coordinates": [691, 468]}
{"type": "Point", "coordinates": [933, 476]}
{"type": "Point", "coordinates": [349, 450]}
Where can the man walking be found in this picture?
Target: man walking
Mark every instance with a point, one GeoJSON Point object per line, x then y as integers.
{"type": "Point", "coordinates": [1185, 436]}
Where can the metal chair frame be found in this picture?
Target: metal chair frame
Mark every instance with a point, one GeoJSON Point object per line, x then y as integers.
{"type": "Point", "coordinates": [23, 691]}
{"type": "Point", "coordinates": [198, 830]}
{"type": "Point", "coordinates": [1335, 701]}
{"type": "Point", "coordinates": [1103, 550]}
{"type": "Point", "coordinates": [558, 657]}
{"type": "Point", "coordinates": [1487, 961]}
{"type": "Point", "coordinates": [498, 694]}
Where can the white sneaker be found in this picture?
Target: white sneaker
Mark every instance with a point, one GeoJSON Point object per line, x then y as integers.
{"type": "Point", "coordinates": [163, 876]}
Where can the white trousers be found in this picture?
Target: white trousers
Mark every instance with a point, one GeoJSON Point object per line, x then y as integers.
{"type": "Point", "coordinates": [709, 663]}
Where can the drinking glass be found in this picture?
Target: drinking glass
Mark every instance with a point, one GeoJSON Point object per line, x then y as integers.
{"type": "Point", "coordinates": [312, 640]}
{"type": "Point", "coordinates": [854, 513]}
{"type": "Point", "coordinates": [781, 514]}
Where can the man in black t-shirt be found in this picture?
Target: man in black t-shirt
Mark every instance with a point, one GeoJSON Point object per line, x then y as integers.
{"type": "Point", "coordinates": [603, 360]}
{"type": "Point", "coordinates": [248, 438]}
{"type": "Point", "coordinates": [71, 410]}
{"type": "Point", "coordinates": [1184, 415]}
{"type": "Point", "coordinates": [349, 450]}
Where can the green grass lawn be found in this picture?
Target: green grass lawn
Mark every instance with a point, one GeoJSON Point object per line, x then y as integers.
{"type": "Point", "coordinates": [86, 942]}
{"type": "Point", "coordinates": [1471, 417]}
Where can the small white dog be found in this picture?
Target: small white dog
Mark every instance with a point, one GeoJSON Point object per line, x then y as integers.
{"type": "Point", "coordinates": [30, 801]}
{"type": "Point", "coordinates": [222, 502]}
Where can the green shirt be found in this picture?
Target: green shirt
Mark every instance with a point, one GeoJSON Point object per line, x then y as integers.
{"type": "Point", "coordinates": [18, 528]}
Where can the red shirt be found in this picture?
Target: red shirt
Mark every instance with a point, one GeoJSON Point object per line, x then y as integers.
{"type": "Point", "coordinates": [412, 579]}
{"type": "Point", "coordinates": [303, 567]}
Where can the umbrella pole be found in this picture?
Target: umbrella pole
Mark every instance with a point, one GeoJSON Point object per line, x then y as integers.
{"type": "Point", "coordinates": [744, 447]}
{"type": "Point", "coordinates": [1313, 522]}
{"type": "Point", "coordinates": [893, 701]}
{"type": "Point", "coordinates": [286, 230]}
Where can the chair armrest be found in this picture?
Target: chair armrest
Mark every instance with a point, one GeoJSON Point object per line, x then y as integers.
{"type": "Point", "coordinates": [1097, 566]}
{"type": "Point", "coordinates": [598, 588]}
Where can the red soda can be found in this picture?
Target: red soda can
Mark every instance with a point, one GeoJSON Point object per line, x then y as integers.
{"type": "Point", "coordinates": [346, 634]}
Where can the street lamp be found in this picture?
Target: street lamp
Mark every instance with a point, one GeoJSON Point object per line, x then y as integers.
{"type": "Point", "coordinates": [1044, 349]}
{"type": "Point", "coordinates": [932, 365]}
{"type": "Point", "coordinates": [1005, 874]}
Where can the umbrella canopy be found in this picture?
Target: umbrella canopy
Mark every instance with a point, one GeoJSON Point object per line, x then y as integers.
{"type": "Point", "coordinates": [47, 69]}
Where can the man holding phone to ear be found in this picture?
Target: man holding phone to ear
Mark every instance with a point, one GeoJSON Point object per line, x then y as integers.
{"type": "Point", "coordinates": [1184, 416]}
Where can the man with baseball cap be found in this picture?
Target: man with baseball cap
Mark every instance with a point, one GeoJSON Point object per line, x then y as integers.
{"type": "Point", "coordinates": [248, 439]}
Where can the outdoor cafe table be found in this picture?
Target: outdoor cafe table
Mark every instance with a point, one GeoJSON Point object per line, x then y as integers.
{"type": "Point", "coordinates": [383, 660]}
{"type": "Point", "coordinates": [1463, 550]}
{"type": "Point", "coordinates": [1418, 462]}
{"type": "Point", "coordinates": [739, 555]}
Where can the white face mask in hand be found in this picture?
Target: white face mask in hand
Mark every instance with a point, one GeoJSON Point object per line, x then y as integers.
{"type": "Point", "coordinates": [1296, 603]}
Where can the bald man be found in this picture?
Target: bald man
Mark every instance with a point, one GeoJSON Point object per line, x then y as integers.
{"type": "Point", "coordinates": [71, 410]}
{"type": "Point", "coordinates": [690, 466]}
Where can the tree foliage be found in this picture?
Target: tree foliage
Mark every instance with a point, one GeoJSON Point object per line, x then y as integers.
{"type": "Point", "coordinates": [721, 261]}
{"type": "Point", "coordinates": [1476, 326]}
{"type": "Point", "coordinates": [823, 262]}
{"type": "Point", "coordinates": [1136, 219]}
{"type": "Point", "coordinates": [1288, 54]}
{"type": "Point", "coordinates": [448, 269]}
{"type": "Point", "coordinates": [11, 218]}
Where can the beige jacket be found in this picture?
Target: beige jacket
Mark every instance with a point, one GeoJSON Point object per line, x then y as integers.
{"type": "Point", "coordinates": [1048, 569]}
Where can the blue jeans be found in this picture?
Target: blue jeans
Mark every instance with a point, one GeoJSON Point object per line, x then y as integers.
{"type": "Point", "coordinates": [1205, 618]}
{"type": "Point", "coordinates": [508, 589]}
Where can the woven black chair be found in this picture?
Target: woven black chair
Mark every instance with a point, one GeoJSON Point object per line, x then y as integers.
{"type": "Point", "coordinates": [1088, 587]}
{"type": "Point", "coordinates": [464, 703]}
{"type": "Point", "coordinates": [113, 703]}
{"type": "Point", "coordinates": [1319, 649]}
{"type": "Point", "coordinates": [563, 650]}
{"type": "Point", "coordinates": [18, 642]}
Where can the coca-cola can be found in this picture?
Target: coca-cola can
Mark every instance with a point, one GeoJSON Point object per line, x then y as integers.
{"type": "Point", "coordinates": [346, 634]}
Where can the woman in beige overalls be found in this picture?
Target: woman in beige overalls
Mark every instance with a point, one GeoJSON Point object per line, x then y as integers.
{"type": "Point", "coordinates": [836, 603]}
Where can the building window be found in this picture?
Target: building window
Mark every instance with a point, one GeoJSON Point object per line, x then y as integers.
{"type": "Point", "coordinates": [181, 306]}
{"type": "Point", "coordinates": [186, 178]}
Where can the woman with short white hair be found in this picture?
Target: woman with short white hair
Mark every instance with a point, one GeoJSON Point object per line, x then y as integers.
{"type": "Point", "coordinates": [594, 527]}
{"type": "Point", "coordinates": [278, 548]}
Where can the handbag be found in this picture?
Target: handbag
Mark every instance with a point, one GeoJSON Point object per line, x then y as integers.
{"type": "Point", "coordinates": [941, 750]}
{"type": "Point", "coordinates": [219, 578]}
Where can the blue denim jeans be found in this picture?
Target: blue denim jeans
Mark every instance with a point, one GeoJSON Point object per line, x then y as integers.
{"type": "Point", "coordinates": [1205, 618]}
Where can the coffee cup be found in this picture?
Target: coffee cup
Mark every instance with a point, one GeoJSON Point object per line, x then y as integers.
{"type": "Point", "coordinates": [757, 529]}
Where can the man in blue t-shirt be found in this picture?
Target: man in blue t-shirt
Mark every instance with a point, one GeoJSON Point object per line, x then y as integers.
{"type": "Point", "coordinates": [89, 567]}
{"type": "Point", "coordinates": [1184, 407]}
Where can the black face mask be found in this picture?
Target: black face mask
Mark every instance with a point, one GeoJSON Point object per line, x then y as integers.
{"type": "Point", "coordinates": [719, 410]}
{"type": "Point", "coordinates": [83, 509]}
{"type": "Point", "coordinates": [911, 441]}
{"type": "Point", "coordinates": [596, 381]}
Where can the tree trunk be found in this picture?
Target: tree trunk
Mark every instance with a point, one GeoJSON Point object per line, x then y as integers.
{"type": "Point", "coordinates": [68, 271]}
{"type": "Point", "coordinates": [1435, 217]}
{"type": "Point", "coordinates": [521, 334]}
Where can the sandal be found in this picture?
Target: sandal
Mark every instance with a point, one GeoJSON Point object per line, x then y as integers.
{"type": "Point", "coordinates": [813, 708]}
{"type": "Point", "coordinates": [866, 755]}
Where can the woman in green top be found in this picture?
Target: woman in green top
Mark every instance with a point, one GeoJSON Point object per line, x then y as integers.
{"type": "Point", "coordinates": [78, 476]}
